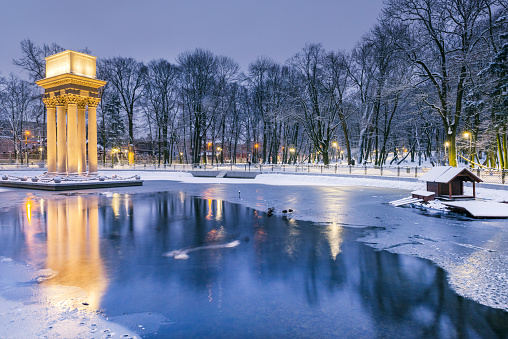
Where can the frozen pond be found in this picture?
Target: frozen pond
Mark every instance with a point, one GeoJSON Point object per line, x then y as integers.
{"type": "Point", "coordinates": [277, 276]}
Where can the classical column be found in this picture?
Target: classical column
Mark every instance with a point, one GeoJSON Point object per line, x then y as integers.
{"type": "Point", "coordinates": [72, 135]}
{"type": "Point", "coordinates": [81, 138]}
{"type": "Point", "coordinates": [92, 136]}
{"type": "Point", "coordinates": [51, 135]}
{"type": "Point", "coordinates": [61, 142]}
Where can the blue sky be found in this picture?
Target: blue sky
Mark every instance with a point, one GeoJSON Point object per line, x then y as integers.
{"type": "Point", "coordinates": [149, 29]}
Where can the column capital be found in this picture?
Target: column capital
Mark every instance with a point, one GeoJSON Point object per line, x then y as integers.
{"type": "Point", "coordinates": [93, 102]}
{"type": "Point", "coordinates": [61, 101]}
{"type": "Point", "coordinates": [82, 103]}
{"type": "Point", "coordinates": [49, 102]}
{"type": "Point", "coordinates": [72, 99]}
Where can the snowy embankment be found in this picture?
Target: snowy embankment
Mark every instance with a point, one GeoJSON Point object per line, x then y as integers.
{"type": "Point", "coordinates": [290, 180]}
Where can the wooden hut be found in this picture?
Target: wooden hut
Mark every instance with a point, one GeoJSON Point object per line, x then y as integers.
{"type": "Point", "coordinates": [448, 182]}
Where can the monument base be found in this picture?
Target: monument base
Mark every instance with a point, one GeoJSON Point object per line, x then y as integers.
{"type": "Point", "coordinates": [57, 183]}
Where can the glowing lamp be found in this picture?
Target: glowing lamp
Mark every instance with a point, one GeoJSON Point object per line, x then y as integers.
{"type": "Point", "coordinates": [70, 62]}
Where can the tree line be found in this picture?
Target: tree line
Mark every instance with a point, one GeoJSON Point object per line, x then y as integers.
{"type": "Point", "coordinates": [428, 82]}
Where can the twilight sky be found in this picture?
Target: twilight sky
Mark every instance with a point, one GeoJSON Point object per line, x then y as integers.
{"type": "Point", "coordinates": [149, 29]}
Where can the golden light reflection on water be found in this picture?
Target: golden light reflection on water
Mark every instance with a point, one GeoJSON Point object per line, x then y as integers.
{"type": "Point", "coordinates": [73, 246]}
{"type": "Point", "coordinates": [31, 227]}
{"type": "Point", "coordinates": [470, 273]}
{"type": "Point", "coordinates": [334, 236]}
{"type": "Point", "coordinates": [291, 244]}
{"type": "Point", "coordinates": [41, 205]}
{"type": "Point", "coordinates": [209, 215]}
{"type": "Point", "coordinates": [128, 203]}
{"type": "Point", "coordinates": [115, 204]}
{"type": "Point", "coordinates": [218, 215]}
{"type": "Point", "coordinates": [28, 205]}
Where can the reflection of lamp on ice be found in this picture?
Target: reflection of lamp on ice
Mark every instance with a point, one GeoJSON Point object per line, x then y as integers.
{"type": "Point", "coordinates": [334, 235]}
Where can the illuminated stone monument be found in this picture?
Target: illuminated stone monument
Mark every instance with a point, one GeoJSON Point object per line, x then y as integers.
{"type": "Point", "coordinates": [71, 87]}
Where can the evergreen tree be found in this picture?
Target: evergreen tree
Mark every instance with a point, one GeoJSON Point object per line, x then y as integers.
{"type": "Point", "coordinates": [111, 126]}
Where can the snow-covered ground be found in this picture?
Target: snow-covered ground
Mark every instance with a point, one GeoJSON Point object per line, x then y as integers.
{"type": "Point", "coordinates": [47, 312]}
{"type": "Point", "coordinates": [476, 266]}
{"type": "Point", "coordinates": [289, 180]}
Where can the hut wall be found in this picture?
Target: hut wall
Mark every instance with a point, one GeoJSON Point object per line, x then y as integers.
{"type": "Point", "coordinates": [433, 187]}
{"type": "Point", "coordinates": [443, 189]}
{"type": "Point", "coordinates": [456, 188]}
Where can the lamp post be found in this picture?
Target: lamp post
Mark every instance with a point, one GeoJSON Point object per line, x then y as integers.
{"type": "Point", "coordinates": [292, 154]}
{"type": "Point", "coordinates": [446, 144]}
{"type": "Point", "coordinates": [113, 152]}
{"type": "Point", "coordinates": [27, 133]}
{"type": "Point", "coordinates": [256, 152]}
{"type": "Point", "coordinates": [468, 135]}
{"type": "Point", "coordinates": [334, 145]}
{"type": "Point", "coordinates": [219, 152]}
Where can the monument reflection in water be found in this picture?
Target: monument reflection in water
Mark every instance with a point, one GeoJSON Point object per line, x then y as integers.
{"type": "Point", "coordinates": [73, 246]}
{"type": "Point", "coordinates": [291, 278]}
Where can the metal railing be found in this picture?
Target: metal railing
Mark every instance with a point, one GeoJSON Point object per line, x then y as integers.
{"type": "Point", "coordinates": [487, 175]}
{"type": "Point", "coordinates": [399, 171]}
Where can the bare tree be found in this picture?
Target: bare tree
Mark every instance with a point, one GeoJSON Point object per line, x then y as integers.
{"type": "Point", "coordinates": [17, 97]}
{"type": "Point", "coordinates": [314, 97]}
{"type": "Point", "coordinates": [443, 41]}
{"type": "Point", "coordinates": [198, 80]}
{"type": "Point", "coordinates": [32, 58]}
{"type": "Point", "coordinates": [126, 76]}
{"type": "Point", "coordinates": [161, 93]}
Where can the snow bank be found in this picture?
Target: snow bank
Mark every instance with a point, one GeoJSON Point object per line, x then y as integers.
{"type": "Point", "coordinates": [31, 310]}
{"type": "Point", "coordinates": [279, 179]}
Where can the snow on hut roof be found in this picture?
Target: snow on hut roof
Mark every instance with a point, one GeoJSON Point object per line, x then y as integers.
{"type": "Point", "coordinates": [444, 174]}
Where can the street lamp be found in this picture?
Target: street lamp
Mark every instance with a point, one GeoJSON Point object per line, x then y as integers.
{"type": "Point", "coordinates": [27, 133]}
{"type": "Point", "coordinates": [468, 135]}
{"type": "Point", "coordinates": [292, 155]}
{"type": "Point", "coordinates": [446, 145]}
{"type": "Point", "coordinates": [218, 153]}
{"type": "Point", "coordinates": [113, 152]}
{"type": "Point", "coordinates": [334, 145]}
